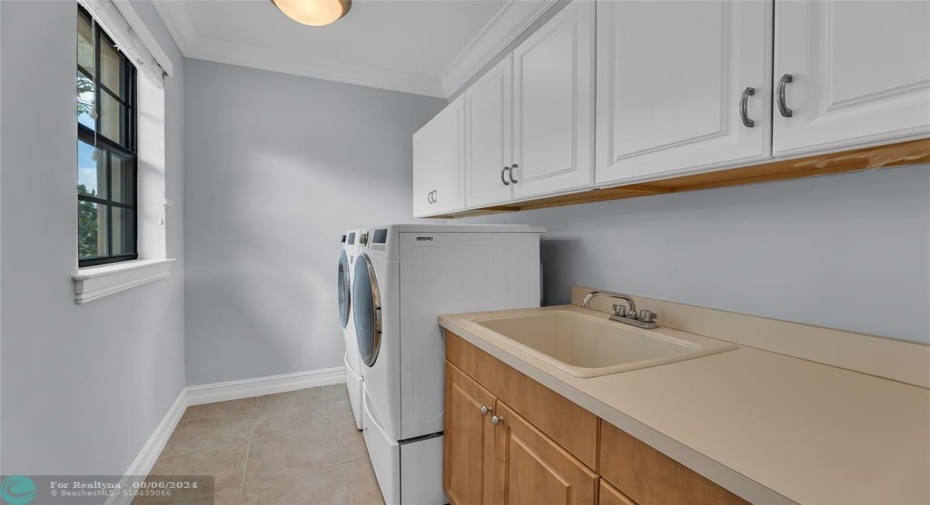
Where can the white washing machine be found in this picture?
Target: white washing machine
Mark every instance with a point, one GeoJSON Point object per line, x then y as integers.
{"type": "Point", "coordinates": [405, 277]}
{"type": "Point", "coordinates": [352, 359]}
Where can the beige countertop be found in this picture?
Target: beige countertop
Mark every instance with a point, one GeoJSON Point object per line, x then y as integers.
{"type": "Point", "coordinates": [768, 427]}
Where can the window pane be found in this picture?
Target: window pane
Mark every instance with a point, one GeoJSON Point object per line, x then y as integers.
{"type": "Point", "coordinates": [85, 44]}
{"type": "Point", "coordinates": [85, 101]}
{"type": "Point", "coordinates": [91, 174]}
{"type": "Point", "coordinates": [110, 66]}
{"type": "Point", "coordinates": [111, 118]}
{"type": "Point", "coordinates": [121, 179]}
{"type": "Point", "coordinates": [92, 230]}
{"type": "Point", "coordinates": [124, 221]}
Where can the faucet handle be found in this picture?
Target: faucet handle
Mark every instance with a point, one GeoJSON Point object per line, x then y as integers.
{"type": "Point", "coordinates": [647, 316]}
{"type": "Point", "coordinates": [619, 310]}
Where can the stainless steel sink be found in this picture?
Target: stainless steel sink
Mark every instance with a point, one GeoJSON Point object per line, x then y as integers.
{"type": "Point", "coordinates": [588, 346]}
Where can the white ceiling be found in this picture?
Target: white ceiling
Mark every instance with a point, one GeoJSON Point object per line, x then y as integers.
{"type": "Point", "coordinates": [427, 47]}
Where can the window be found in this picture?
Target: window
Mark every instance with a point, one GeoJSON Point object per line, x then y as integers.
{"type": "Point", "coordinates": [106, 148]}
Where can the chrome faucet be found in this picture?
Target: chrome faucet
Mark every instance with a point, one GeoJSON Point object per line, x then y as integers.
{"type": "Point", "coordinates": [626, 315]}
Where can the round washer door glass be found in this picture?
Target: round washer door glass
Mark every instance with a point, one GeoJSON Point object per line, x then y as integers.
{"type": "Point", "coordinates": [367, 310]}
{"type": "Point", "coordinates": [345, 290]}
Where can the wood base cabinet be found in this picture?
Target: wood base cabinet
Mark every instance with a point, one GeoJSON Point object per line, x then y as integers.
{"type": "Point", "coordinates": [540, 448]}
{"type": "Point", "coordinates": [494, 456]}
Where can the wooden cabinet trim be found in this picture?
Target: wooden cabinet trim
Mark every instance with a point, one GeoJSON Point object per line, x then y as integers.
{"type": "Point", "coordinates": [574, 428]}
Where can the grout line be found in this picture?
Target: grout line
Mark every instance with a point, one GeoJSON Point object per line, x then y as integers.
{"type": "Point", "coordinates": [245, 465]}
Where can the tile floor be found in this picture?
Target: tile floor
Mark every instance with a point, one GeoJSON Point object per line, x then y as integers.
{"type": "Point", "coordinates": [286, 449]}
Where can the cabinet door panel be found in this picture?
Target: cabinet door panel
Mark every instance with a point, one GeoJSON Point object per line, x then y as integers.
{"type": "Point", "coordinates": [489, 136]}
{"type": "Point", "coordinates": [469, 440]}
{"type": "Point", "coordinates": [531, 468]}
{"type": "Point", "coordinates": [670, 78]}
{"type": "Point", "coordinates": [611, 496]}
{"type": "Point", "coordinates": [553, 104]}
{"type": "Point", "coordinates": [438, 162]}
{"type": "Point", "coordinates": [861, 73]}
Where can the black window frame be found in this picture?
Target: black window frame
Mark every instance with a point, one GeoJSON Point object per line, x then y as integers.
{"type": "Point", "coordinates": [124, 148]}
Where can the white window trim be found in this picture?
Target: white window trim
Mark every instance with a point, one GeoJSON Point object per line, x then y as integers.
{"type": "Point", "coordinates": [96, 282]}
{"type": "Point", "coordinates": [92, 283]}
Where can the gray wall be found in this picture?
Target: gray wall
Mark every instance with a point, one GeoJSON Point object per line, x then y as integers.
{"type": "Point", "coordinates": [85, 386]}
{"type": "Point", "coordinates": [848, 251]}
{"type": "Point", "coordinates": [279, 167]}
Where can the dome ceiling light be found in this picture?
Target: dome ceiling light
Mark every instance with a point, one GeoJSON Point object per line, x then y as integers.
{"type": "Point", "coordinates": [314, 12]}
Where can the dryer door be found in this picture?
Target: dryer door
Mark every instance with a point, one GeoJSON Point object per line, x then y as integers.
{"type": "Point", "coordinates": [345, 290]}
{"type": "Point", "coordinates": [367, 310]}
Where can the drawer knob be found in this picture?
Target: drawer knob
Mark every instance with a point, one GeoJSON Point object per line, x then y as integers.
{"type": "Point", "coordinates": [485, 410]}
{"type": "Point", "coordinates": [497, 420]}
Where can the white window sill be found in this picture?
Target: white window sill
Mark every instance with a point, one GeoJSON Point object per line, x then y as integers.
{"type": "Point", "coordinates": [92, 283]}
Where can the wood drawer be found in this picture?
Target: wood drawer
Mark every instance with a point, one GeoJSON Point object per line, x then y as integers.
{"type": "Point", "coordinates": [652, 478]}
{"type": "Point", "coordinates": [570, 426]}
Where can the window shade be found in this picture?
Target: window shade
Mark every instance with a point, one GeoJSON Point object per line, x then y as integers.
{"type": "Point", "coordinates": [112, 21]}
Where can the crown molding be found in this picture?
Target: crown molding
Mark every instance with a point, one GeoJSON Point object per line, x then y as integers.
{"type": "Point", "coordinates": [511, 21]}
{"type": "Point", "coordinates": [513, 18]}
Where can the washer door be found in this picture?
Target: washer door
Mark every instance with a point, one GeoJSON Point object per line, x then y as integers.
{"type": "Point", "coordinates": [367, 310]}
{"type": "Point", "coordinates": [345, 290]}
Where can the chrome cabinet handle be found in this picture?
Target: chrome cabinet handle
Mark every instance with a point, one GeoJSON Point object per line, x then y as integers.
{"type": "Point", "coordinates": [485, 410]}
{"type": "Point", "coordinates": [780, 99]}
{"type": "Point", "coordinates": [429, 197]}
{"type": "Point", "coordinates": [497, 420]}
{"type": "Point", "coordinates": [743, 103]}
{"type": "Point", "coordinates": [513, 179]}
{"type": "Point", "coordinates": [504, 171]}
{"type": "Point", "coordinates": [435, 196]}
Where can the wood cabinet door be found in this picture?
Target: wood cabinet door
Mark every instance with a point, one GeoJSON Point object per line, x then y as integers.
{"type": "Point", "coordinates": [671, 81]}
{"type": "Point", "coordinates": [860, 73]}
{"type": "Point", "coordinates": [531, 468]}
{"type": "Point", "coordinates": [489, 136]}
{"type": "Point", "coordinates": [438, 163]}
{"type": "Point", "coordinates": [609, 495]}
{"type": "Point", "coordinates": [469, 440]}
{"type": "Point", "coordinates": [553, 76]}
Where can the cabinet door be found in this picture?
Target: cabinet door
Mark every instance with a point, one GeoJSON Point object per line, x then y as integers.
{"type": "Point", "coordinates": [469, 440]}
{"type": "Point", "coordinates": [860, 73]}
{"type": "Point", "coordinates": [553, 74]}
{"type": "Point", "coordinates": [489, 135]}
{"type": "Point", "coordinates": [438, 162]}
{"type": "Point", "coordinates": [671, 78]}
{"type": "Point", "coordinates": [609, 495]}
{"type": "Point", "coordinates": [531, 468]}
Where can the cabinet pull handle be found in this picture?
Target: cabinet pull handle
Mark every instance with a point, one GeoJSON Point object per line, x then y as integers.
{"type": "Point", "coordinates": [485, 410]}
{"type": "Point", "coordinates": [503, 172]}
{"type": "Point", "coordinates": [429, 198]}
{"type": "Point", "coordinates": [780, 99]}
{"type": "Point", "coordinates": [743, 103]}
{"type": "Point", "coordinates": [497, 420]}
{"type": "Point", "coordinates": [435, 196]}
{"type": "Point", "coordinates": [513, 179]}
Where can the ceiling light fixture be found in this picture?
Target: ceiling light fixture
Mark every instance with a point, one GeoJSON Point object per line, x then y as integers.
{"type": "Point", "coordinates": [314, 12]}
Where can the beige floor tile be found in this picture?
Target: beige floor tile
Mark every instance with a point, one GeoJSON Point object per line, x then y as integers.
{"type": "Point", "coordinates": [226, 465]}
{"type": "Point", "coordinates": [288, 454]}
{"type": "Point", "coordinates": [274, 421]}
{"type": "Point", "coordinates": [200, 433]}
{"type": "Point", "coordinates": [291, 400]}
{"type": "Point", "coordinates": [340, 410]}
{"type": "Point", "coordinates": [361, 483]}
{"type": "Point", "coordinates": [324, 486]}
{"type": "Point", "coordinates": [332, 390]}
{"type": "Point", "coordinates": [245, 407]}
{"type": "Point", "coordinates": [350, 444]}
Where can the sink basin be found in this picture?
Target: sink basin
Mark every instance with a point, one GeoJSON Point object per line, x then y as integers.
{"type": "Point", "coordinates": [588, 346]}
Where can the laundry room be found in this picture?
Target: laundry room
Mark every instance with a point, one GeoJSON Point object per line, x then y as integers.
{"type": "Point", "coordinates": [467, 252]}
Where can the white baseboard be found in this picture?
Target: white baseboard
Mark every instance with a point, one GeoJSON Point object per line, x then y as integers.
{"type": "Point", "coordinates": [219, 392]}
{"type": "Point", "coordinates": [235, 390]}
{"type": "Point", "coordinates": [143, 463]}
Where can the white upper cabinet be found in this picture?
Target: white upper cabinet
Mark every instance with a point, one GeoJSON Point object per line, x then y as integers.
{"type": "Point", "coordinates": [489, 136]}
{"type": "Point", "coordinates": [553, 103]}
{"type": "Point", "coordinates": [859, 73]}
{"type": "Point", "coordinates": [439, 163]}
{"type": "Point", "coordinates": [682, 86]}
